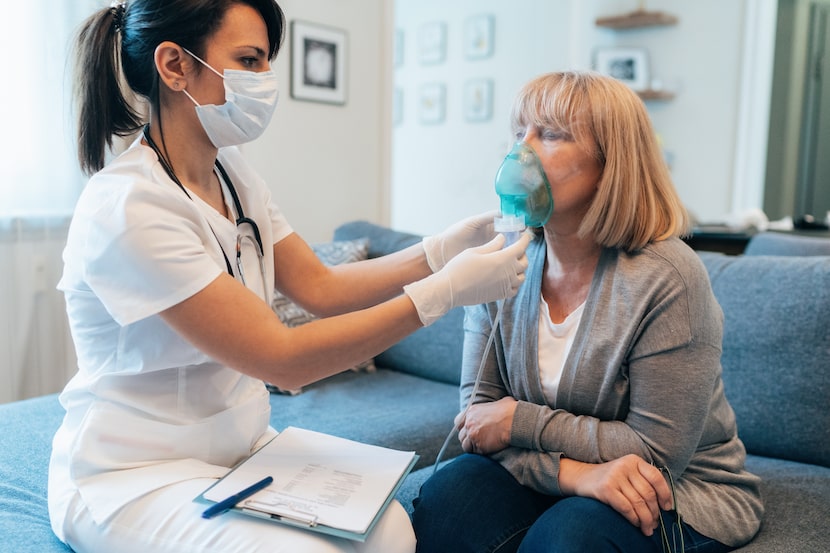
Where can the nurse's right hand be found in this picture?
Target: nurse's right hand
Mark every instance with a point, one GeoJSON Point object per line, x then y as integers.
{"type": "Point", "coordinates": [477, 275]}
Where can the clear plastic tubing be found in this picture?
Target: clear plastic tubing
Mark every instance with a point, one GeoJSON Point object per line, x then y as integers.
{"type": "Point", "coordinates": [474, 393]}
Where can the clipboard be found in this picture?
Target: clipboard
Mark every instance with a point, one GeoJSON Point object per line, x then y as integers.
{"type": "Point", "coordinates": [322, 483]}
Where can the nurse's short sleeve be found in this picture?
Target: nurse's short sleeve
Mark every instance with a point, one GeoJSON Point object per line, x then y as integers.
{"type": "Point", "coordinates": [143, 249]}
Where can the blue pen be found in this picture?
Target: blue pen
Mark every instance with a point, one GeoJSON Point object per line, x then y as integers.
{"type": "Point", "coordinates": [230, 503]}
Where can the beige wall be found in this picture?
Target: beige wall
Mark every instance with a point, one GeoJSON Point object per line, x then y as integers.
{"type": "Point", "coordinates": [328, 164]}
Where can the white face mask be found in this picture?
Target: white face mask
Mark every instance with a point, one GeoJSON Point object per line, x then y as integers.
{"type": "Point", "coordinates": [250, 100]}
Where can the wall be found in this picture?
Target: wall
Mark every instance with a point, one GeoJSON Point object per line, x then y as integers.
{"type": "Point", "coordinates": [444, 172]}
{"type": "Point", "coordinates": [36, 353]}
{"type": "Point", "coordinates": [327, 164]}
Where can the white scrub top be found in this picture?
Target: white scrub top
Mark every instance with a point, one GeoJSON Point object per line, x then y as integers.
{"type": "Point", "coordinates": [146, 408]}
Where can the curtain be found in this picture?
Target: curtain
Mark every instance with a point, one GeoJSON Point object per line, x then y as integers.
{"type": "Point", "coordinates": [40, 185]}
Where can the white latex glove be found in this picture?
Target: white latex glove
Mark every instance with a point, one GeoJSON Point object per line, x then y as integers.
{"type": "Point", "coordinates": [467, 233]}
{"type": "Point", "coordinates": [476, 275]}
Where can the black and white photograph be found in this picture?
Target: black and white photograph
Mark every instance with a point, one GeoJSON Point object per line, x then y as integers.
{"type": "Point", "coordinates": [629, 65]}
{"type": "Point", "coordinates": [318, 63]}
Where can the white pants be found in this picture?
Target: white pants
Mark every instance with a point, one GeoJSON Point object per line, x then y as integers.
{"type": "Point", "coordinates": [168, 521]}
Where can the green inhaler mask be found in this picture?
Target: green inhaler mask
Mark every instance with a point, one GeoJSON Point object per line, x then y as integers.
{"type": "Point", "coordinates": [523, 189]}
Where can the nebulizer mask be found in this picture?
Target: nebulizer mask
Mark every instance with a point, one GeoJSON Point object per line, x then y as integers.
{"type": "Point", "coordinates": [524, 192]}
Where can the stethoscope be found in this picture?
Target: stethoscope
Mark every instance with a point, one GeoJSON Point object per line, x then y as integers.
{"type": "Point", "coordinates": [241, 219]}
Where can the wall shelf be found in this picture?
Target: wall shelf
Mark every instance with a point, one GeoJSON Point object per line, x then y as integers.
{"type": "Point", "coordinates": [655, 94]}
{"type": "Point", "coordinates": [637, 19]}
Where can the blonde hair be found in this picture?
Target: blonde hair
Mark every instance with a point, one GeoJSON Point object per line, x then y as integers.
{"type": "Point", "coordinates": [636, 202]}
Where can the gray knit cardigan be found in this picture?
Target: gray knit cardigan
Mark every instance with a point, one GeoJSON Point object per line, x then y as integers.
{"type": "Point", "coordinates": [643, 376]}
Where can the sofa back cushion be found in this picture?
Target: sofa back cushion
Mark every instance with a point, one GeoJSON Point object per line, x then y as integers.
{"type": "Point", "coordinates": [776, 351]}
{"type": "Point", "coordinates": [433, 352]}
{"type": "Point", "coordinates": [781, 243]}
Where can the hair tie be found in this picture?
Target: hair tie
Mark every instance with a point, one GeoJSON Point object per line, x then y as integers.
{"type": "Point", "coordinates": [117, 10]}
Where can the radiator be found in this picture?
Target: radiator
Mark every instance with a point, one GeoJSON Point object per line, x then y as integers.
{"type": "Point", "coordinates": [36, 352]}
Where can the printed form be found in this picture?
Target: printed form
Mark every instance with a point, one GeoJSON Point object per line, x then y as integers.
{"type": "Point", "coordinates": [319, 480]}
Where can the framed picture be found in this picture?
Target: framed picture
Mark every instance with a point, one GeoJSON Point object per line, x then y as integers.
{"type": "Point", "coordinates": [318, 63]}
{"type": "Point", "coordinates": [432, 100]}
{"type": "Point", "coordinates": [432, 43]}
{"type": "Point", "coordinates": [630, 65]}
{"type": "Point", "coordinates": [478, 37]}
{"type": "Point", "coordinates": [478, 100]}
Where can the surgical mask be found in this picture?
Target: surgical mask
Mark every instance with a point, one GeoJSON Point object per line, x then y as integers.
{"type": "Point", "coordinates": [523, 187]}
{"type": "Point", "coordinates": [250, 100]}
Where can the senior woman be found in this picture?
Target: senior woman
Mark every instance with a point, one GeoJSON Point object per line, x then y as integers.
{"type": "Point", "coordinates": [600, 416]}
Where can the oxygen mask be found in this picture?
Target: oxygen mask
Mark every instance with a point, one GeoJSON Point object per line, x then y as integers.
{"type": "Point", "coordinates": [523, 190]}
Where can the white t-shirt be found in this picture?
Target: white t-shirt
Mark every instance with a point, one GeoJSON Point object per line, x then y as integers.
{"type": "Point", "coordinates": [146, 408]}
{"type": "Point", "coordinates": [555, 341]}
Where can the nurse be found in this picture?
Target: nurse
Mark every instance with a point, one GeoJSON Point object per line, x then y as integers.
{"type": "Point", "coordinates": [171, 261]}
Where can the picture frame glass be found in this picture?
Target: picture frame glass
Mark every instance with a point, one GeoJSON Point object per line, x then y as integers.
{"type": "Point", "coordinates": [432, 103]}
{"type": "Point", "coordinates": [318, 63]}
{"type": "Point", "coordinates": [478, 100]}
{"type": "Point", "coordinates": [478, 37]}
{"type": "Point", "coordinates": [432, 43]}
{"type": "Point", "coordinates": [629, 65]}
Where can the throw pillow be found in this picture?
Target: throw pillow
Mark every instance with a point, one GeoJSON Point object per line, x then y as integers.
{"type": "Point", "coordinates": [292, 315]}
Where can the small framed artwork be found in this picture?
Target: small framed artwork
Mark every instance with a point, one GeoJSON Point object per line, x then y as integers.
{"type": "Point", "coordinates": [629, 65]}
{"type": "Point", "coordinates": [432, 43]}
{"type": "Point", "coordinates": [318, 63]}
{"type": "Point", "coordinates": [478, 100]}
{"type": "Point", "coordinates": [432, 101]}
{"type": "Point", "coordinates": [478, 37]}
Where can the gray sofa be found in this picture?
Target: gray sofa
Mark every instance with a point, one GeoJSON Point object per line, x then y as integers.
{"type": "Point", "coordinates": [776, 360]}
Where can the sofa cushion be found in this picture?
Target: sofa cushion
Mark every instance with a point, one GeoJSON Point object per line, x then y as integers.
{"type": "Point", "coordinates": [776, 346]}
{"type": "Point", "coordinates": [433, 352]}
{"type": "Point", "coordinates": [291, 314]}
{"type": "Point", "coordinates": [26, 430]}
{"type": "Point", "coordinates": [797, 506]}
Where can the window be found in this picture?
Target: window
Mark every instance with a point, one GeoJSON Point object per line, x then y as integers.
{"type": "Point", "coordinates": [40, 173]}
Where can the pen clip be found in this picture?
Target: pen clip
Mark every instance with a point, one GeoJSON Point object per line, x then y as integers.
{"type": "Point", "coordinates": [282, 511]}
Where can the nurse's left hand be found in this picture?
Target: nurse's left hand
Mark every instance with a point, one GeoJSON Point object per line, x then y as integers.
{"type": "Point", "coordinates": [485, 427]}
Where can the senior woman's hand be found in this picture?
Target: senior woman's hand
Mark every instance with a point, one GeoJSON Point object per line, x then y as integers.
{"type": "Point", "coordinates": [631, 486]}
{"type": "Point", "coordinates": [484, 428]}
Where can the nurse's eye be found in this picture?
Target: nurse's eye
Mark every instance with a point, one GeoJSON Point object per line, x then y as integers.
{"type": "Point", "coordinates": [250, 61]}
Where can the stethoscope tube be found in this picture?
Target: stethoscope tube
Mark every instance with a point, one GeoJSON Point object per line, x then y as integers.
{"type": "Point", "coordinates": [240, 219]}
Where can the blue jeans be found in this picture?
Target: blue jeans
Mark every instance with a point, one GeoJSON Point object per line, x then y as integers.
{"type": "Point", "coordinates": [473, 505]}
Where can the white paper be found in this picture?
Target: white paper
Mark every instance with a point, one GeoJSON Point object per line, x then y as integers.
{"type": "Point", "coordinates": [317, 477]}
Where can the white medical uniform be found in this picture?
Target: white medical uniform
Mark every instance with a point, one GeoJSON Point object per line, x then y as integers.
{"type": "Point", "coordinates": [150, 420]}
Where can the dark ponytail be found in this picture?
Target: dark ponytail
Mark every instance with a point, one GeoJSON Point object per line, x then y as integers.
{"type": "Point", "coordinates": [117, 45]}
{"type": "Point", "coordinates": [103, 110]}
